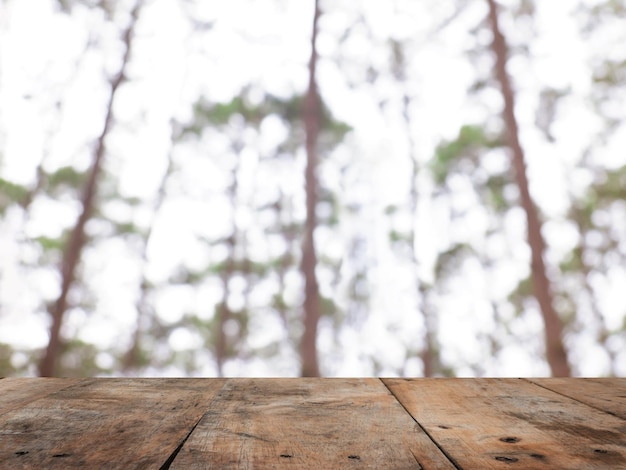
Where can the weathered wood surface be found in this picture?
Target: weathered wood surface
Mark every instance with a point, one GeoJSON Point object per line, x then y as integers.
{"type": "Point", "coordinates": [609, 396]}
{"type": "Point", "coordinates": [485, 423]}
{"type": "Point", "coordinates": [106, 423]}
{"type": "Point", "coordinates": [313, 423]}
{"type": "Point", "coordinates": [13, 393]}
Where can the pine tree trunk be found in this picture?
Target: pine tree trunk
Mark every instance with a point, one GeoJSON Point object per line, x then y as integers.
{"type": "Point", "coordinates": [74, 248]}
{"type": "Point", "coordinates": [555, 351]}
{"type": "Point", "coordinates": [132, 359]}
{"type": "Point", "coordinates": [223, 312]}
{"type": "Point", "coordinates": [311, 117]}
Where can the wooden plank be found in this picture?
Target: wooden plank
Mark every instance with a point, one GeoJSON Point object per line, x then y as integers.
{"type": "Point", "coordinates": [605, 394]}
{"type": "Point", "coordinates": [308, 423]}
{"type": "Point", "coordinates": [105, 423]}
{"type": "Point", "coordinates": [512, 423]}
{"type": "Point", "coordinates": [17, 392]}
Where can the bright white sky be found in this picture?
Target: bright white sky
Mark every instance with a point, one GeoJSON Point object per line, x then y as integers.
{"type": "Point", "coordinates": [44, 58]}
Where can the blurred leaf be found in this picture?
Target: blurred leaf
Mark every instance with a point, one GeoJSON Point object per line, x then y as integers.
{"type": "Point", "coordinates": [611, 73]}
{"type": "Point", "coordinates": [391, 209]}
{"type": "Point", "coordinates": [573, 263]}
{"type": "Point", "coordinates": [470, 141]}
{"type": "Point", "coordinates": [328, 307]}
{"type": "Point", "coordinates": [396, 236]}
{"type": "Point", "coordinates": [522, 292]}
{"type": "Point", "coordinates": [6, 366]}
{"type": "Point", "coordinates": [495, 192]}
{"type": "Point", "coordinates": [50, 244]}
{"type": "Point", "coordinates": [126, 228]}
{"type": "Point", "coordinates": [79, 360]}
{"type": "Point", "coordinates": [12, 193]}
{"type": "Point", "coordinates": [526, 8]}
{"type": "Point", "coordinates": [611, 8]}
{"type": "Point", "coordinates": [66, 175]}
{"type": "Point", "coordinates": [449, 262]}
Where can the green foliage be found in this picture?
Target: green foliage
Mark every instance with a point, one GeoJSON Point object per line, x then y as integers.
{"type": "Point", "coordinates": [522, 292]}
{"type": "Point", "coordinates": [391, 209]}
{"type": "Point", "coordinates": [611, 73]}
{"type": "Point", "coordinates": [6, 366]}
{"type": "Point", "coordinates": [471, 141]}
{"type": "Point", "coordinates": [396, 236]}
{"type": "Point", "coordinates": [127, 228]}
{"type": "Point", "coordinates": [290, 110]}
{"type": "Point", "coordinates": [573, 263]}
{"type": "Point", "coordinates": [525, 8]}
{"type": "Point", "coordinates": [79, 360]}
{"type": "Point", "coordinates": [66, 175]}
{"type": "Point", "coordinates": [12, 193]}
{"type": "Point", "coordinates": [614, 185]}
{"type": "Point", "coordinates": [52, 244]}
{"type": "Point", "coordinates": [610, 8]}
{"type": "Point", "coordinates": [449, 262]}
{"type": "Point", "coordinates": [494, 193]}
{"type": "Point", "coordinates": [221, 113]}
{"type": "Point", "coordinates": [278, 302]}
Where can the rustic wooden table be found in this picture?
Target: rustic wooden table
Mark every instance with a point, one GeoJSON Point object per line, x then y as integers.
{"type": "Point", "coordinates": [313, 423]}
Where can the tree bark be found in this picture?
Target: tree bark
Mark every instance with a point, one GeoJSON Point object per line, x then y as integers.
{"type": "Point", "coordinates": [131, 360]}
{"type": "Point", "coordinates": [311, 118]}
{"type": "Point", "coordinates": [74, 248]}
{"type": "Point", "coordinates": [428, 354]}
{"type": "Point", "coordinates": [555, 350]}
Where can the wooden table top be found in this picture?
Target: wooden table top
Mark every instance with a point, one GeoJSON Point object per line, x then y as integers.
{"type": "Point", "coordinates": [313, 423]}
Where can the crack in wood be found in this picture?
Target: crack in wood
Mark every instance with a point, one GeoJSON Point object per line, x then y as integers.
{"type": "Point", "coordinates": [171, 458]}
{"type": "Point", "coordinates": [419, 465]}
{"type": "Point", "coordinates": [577, 400]}
{"type": "Point", "coordinates": [207, 412]}
{"type": "Point", "coordinates": [252, 436]}
{"type": "Point", "coordinates": [441, 449]}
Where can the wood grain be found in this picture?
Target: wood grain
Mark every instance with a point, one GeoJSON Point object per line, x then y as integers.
{"type": "Point", "coordinates": [308, 423]}
{"type": "Point", "coordinates": [17, 392]}
{"type": "Point", "coordinates": [512, 423]}
{"type": "Point", "coordinates": [312, 423]}
{"type": "Point", "coordinates": [604, 394]}
{"type": "Point", "coordinates": [105, 423]}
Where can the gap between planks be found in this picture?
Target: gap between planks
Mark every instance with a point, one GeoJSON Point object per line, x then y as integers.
{"type": "Point", "coordinates": [443, 451]}
{"type": "Point", "coordinates": [572, 396]}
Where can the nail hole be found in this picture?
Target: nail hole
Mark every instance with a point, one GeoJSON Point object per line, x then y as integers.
{"type": "Point", "coordinates": [506, 459]}
{"type": "Point", "coordinates": [510, 439]}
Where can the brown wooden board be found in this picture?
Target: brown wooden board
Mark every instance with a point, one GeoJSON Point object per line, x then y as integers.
{"type": "Point", "coordinates": [512, 423]}
{"type": "Point", "coordinates": [105, 423]}
{"type": "Point", "coordinates": [605, 394]}
{"type": "Point", "coordinates": [17, 392]}
{"type": "Point", "coordinates": [308, 423]}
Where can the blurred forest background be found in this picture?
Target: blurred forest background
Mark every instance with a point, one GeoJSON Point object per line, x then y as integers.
{"type": "Point", "coordinates": [274, 187]}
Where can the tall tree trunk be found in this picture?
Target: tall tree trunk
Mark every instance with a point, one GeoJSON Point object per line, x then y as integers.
{"type": "Point", "coordinates": [428, 354]}
{"type": "Point", "coordinates": [223, 310]}
{"type": "Point", "coordinates": [132, 359]}
{"type": "Point", "coordinates": [555, 351]}
{"type": "Point", "coordinates": [311, 117]}
{"type": "Point", "coordinates": [586, 272]}
{"type": "Point", "coordinates": [74, 248]}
